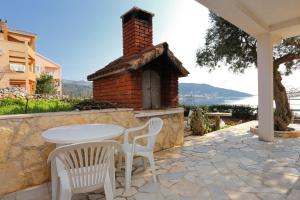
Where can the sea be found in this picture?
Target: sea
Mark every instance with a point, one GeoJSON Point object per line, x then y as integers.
{"type": "Point", "coordinates": [251, 101]}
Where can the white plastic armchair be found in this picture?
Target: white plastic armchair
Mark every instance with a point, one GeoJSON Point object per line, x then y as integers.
{"type": "Point", "coordinates": [154, 126]}
{"type": "Point", "coordinates": [86, 167]}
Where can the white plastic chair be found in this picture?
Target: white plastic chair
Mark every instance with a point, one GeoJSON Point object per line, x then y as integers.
{"type": "Point", "coordinates": [130, 150]}
{"type": "Point", "coordinates": [86, 167]}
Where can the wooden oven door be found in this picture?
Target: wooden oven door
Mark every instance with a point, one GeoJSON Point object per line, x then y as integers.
{"type": "Point", "coordinates": [151, 85]}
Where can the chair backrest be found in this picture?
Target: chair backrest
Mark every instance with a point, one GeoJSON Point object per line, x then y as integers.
{"type": "Point", "coordinates": [155, 125]}
{"type": "Point", "coordinates": [86, 164]}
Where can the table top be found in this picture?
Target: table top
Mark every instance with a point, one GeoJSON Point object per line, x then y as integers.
{"type": "Point", "coordinates": [220, 114]}
{"type": "Point", "coordinates": [82, 133]}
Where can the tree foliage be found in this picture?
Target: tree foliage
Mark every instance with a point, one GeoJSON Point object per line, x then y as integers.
{"type": "Point", "coordinates": [45, 84]}
{"type": "Point", "coordinates": [199, 122]}
{"type": "Point", "coordinates": [225, 43]}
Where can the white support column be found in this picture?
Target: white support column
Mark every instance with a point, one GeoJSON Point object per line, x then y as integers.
{"type": "Point", "coordinates": [265, 87]}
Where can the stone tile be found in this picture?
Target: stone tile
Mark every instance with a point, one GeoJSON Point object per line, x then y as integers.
{"type": "Point", "coordinates": [246, 161]}
{"type": "Point", "coordinates": [294, 195]}
{"type": "Point", "coordinates": [138, 182]}
{"type": "Point", "coordinates": [95, 196]}
{"type": "Point", "coordinates": [11, 196]}
{"type": "Point", "coordinates": [202, 194]}
{"type": "Point", "coordinates": [269, 196]}
{"type": "Point", "coordinates": [148, 196]}
{"type": "Point", "coordinates": [130, 192]}
{"type": "Point", "coordinates": [119, 191]}
{"type": "Point", "coordinates": [280, 180]}
{"type": "Point", "coordinates": [167, 193]}
{"type": "Point", "coordinates": [234, 195]}
{"type": "Point", "coordinates": [150, 188]}
{"type": "Point", "coordinates": [183, 188]}
{"type": "Point", "coordinates": [297, 185]}
{"type": "Point", "coordinates": [166, 183]}
{"type": "Point", "coordinates": [33, 193]}
{"type": "Point", "coordinates": [172, 176]}
{"type": "Point", "coordinates": [285, 170]}
{"type": "Point", "coordinates": [217, 192]}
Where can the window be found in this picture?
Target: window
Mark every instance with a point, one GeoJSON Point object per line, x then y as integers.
{"type": "Point", "coordinates": [50, 73]}
{"type": "Point", "coordinates": [38, 69]}
{"type": "Point", "coordinates": [17, 67]}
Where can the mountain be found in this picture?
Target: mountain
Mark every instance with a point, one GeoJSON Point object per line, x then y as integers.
{"type": "Point", "coordinates": [84, 89]}
{"type": "Point", "coordinates": [77, 88]}
{"type": "Point", "coordinates": [208, 91]}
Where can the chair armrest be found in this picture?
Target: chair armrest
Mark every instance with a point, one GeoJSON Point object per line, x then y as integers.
{"type": "Point", "coordinates": [135, 139]}
{"type": "Point", "coordinates": [129, 130]}
{"type": "Point", "coordinates": [140, 137]}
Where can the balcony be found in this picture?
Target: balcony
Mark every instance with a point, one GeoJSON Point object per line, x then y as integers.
{"type": "Point", "coordinates": [21, 49]}
{"type": "Point", "coordinates": [31, 52]}
{"type": "Point", "coordinates": [55, 74]}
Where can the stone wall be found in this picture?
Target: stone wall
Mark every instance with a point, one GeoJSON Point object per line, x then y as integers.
{"type": "Point", "coordinates": [23, 153]}
{"type": "Point", "coordinates": [12, 92]}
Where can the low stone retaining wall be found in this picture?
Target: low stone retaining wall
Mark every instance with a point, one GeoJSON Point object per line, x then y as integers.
{"type": "Point", "coordinates": [23, 153]}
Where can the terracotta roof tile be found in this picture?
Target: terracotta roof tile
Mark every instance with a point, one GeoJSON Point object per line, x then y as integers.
{"type": "Point", "coordinates": [137, 61]}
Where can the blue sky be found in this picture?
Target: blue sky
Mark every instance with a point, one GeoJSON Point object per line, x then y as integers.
{"type": "Point", "coordinates": [82, 37]}
{"type": "Point", "coordinates": [85, 35]}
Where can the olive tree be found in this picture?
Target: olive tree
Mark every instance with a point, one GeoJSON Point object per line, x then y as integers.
{"type": "Point", "coordinates": [227, 44]}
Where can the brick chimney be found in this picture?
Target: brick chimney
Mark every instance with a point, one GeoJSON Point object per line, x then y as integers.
{"type": "Point", "coordinates": [137, 31]}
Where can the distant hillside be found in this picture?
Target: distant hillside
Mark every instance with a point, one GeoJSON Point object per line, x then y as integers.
{"type": "Point", "coordinates": [84, 89]}
{"type": "Point", "coordinates": [77, 88]}
{"type": "Point", "coordinates": [208, 91]}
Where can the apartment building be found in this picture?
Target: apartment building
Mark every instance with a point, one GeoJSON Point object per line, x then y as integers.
{"type": "Point", "coordinates": [19, 60]}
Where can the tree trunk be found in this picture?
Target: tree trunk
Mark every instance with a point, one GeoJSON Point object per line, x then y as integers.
{"type": "Point", "coordinates": [283, 113]}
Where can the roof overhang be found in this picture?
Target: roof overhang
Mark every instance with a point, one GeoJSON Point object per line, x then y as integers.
{"type": "Point", "coordinates": [137, 61]}
{"type": "Point", "coordinates": [280, 18]}
{"type": "Point", "coordinates": [28, 34]}
{"type": "Point", "coordinates": [56, 65]}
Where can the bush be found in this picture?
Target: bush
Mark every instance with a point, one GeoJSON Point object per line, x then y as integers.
{"type": "Point", "coordinates": [238, 111]}
{"type": "Point", "coordinates": [199, 122]}
{"type": "Point", "coordinates": [45, 84]}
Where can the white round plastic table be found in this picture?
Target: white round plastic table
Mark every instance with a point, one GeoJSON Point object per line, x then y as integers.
{"type": "Point", "coordinates": [76, 134]}
{"type": "Point", "coordinates": [82, 133]}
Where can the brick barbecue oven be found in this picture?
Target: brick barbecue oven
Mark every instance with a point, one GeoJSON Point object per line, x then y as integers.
{"type": "Point", "coordinates": [146, 76]}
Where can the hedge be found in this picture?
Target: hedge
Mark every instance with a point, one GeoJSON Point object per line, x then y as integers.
{"type": "Point", "coordinates": [238, 111]}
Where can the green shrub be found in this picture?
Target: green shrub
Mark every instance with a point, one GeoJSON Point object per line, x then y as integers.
{"type": "Point", "coordinates": [45, 84]}
{"type": "Point", "coordinates": [199, 122]}
{"type": "Point", "coordinates": [238, 111]}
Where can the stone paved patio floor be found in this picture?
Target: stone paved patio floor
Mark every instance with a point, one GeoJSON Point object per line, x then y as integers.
{"type": "Point", "coordinates": [228, 164]}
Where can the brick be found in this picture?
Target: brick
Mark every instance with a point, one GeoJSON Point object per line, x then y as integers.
{"type": "Point", "coordinates": [135, 38]}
